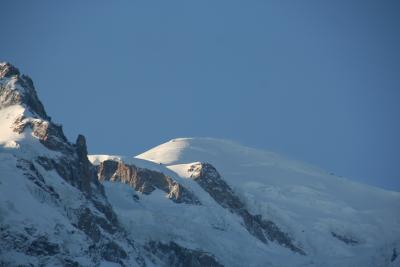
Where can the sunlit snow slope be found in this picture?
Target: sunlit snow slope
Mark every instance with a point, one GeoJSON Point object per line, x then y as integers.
{"type": "Point", "coordinates": [335, 219]}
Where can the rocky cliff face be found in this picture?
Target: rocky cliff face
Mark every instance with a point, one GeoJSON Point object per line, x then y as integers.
{"type": "Point", "coordinates": [145, 180]}
{"type": "Point", "coordinates": [175, 255]}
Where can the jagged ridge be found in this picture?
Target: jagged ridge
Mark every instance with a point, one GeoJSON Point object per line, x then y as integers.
{"type": "Point", "coordinates": [19, 89]}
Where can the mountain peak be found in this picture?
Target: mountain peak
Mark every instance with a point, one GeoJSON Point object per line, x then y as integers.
{"type": "Point", "coordinates": [16, 89]}
{"type": "Point", "coordinates": [7, 70]}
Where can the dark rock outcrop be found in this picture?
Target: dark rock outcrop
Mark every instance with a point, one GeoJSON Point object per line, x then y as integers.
{"type": "Point", "coordinates": [345, 239]}
{"type": "Point", "coordinates": [85, 167]}
{"type": "Point", "coordinates": [41, 246]}
{"type": "Point", "coordinates": [31, 172]}
{"type": "Point", "coordinates": [7, 70]}
{"type": "Point", "coordinates": [145, 180]}
{"type": "Point", "coordinates": [210, 180]}
{"type": "Point", "coordinates": [174, 255]}
{"type": "Point", "coordinates": [49, 134]}
{"type": "Point", "coordinates": [113, 252]}
{"type": "Point", "coordinates": [394, 255]}
{"type": "Point", "coordinates": [92, 224]}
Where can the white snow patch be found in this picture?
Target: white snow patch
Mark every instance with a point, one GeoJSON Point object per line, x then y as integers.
{"type": "Point", "coordinates": [8, 115]}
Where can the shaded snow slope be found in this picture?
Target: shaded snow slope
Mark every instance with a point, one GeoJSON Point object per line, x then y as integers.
{"type": "Point", "coordinates": [207, 227]}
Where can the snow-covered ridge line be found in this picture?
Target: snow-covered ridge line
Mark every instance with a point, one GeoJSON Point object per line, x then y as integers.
{"type": "Point", "coordinates": [55, 212]}
{"type": "Point", "coordinates": [97, 159]}
{"type": "Point", "coordinates": [169, 153]}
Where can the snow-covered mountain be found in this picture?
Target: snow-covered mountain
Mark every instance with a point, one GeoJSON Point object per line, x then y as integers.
{"type": "Point", "coordinates": [187, 202]}
{"type": "Point", "coordinates": [334, 220]}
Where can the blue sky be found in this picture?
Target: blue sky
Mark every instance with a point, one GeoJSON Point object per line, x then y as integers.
{"type": "Point", "coordinates": [318, 81]}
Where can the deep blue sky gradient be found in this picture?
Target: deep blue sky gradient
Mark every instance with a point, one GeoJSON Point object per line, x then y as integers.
{"type": "Point", "coordinates": [317, 81]}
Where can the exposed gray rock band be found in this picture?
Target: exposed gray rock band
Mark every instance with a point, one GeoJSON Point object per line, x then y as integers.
{"type": "Point", "coordinates": [210, 180]}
